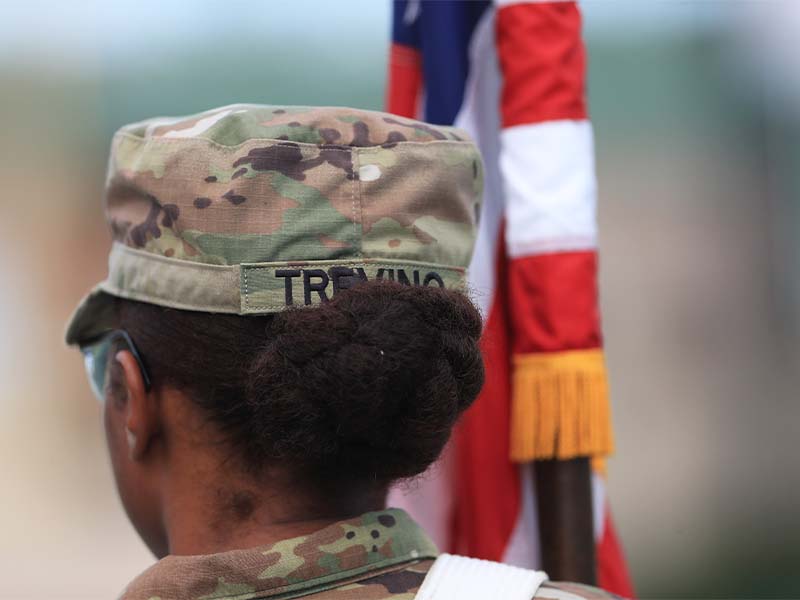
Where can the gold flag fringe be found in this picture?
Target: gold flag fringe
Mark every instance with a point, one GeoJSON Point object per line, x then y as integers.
{"type": "Point", "coordinates": [560, 406]}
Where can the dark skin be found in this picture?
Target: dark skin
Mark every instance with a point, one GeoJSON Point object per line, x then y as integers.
{"type": "Point", "coordinates": [564, 498]}
{"type": "Point", "coordinates": [180, 488]}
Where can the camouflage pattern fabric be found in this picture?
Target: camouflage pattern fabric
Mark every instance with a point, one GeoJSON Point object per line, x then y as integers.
{"type": "Point", "coordinates": [380, 555]}
{"type": "Point", "coordinates": [247, 209]}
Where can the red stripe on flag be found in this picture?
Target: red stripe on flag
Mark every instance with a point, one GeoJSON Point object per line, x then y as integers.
{"type": "Point", "coordinates": [405, 80]}
{"type": "Point", "coordinates": [543, 62]}
{"type": "Point", "coordinates": [553, 302]}
{"type": "Point", "coordinates": [612, 571]}
{"type": "Point", "coordinates": [487, 483]}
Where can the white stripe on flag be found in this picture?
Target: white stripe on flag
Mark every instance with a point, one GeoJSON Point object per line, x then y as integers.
{"type": "Point", "coordinates": [550, 187]}
{"type": "Point", "coordinates": [523, 548]}
{"type": "Point", "coordinates": [479, 115]}
{"type": "Point", "coordinates": [598, 505]}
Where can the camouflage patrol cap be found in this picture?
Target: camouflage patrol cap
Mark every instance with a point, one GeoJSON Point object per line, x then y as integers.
{"type": "Point", "coordinates": [248, 209]}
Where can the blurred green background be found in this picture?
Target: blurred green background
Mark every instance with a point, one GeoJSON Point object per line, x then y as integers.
{"type": "Point", "coordinates": [696, 108]}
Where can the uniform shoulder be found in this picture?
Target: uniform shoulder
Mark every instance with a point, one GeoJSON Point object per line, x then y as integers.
{"type": "Point", "coordinates": [563, 590]}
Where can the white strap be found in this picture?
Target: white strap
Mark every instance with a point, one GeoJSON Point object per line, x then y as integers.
{"type": "Point", "coordinates": [461, 578]}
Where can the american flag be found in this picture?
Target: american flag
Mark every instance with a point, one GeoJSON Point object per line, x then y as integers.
{"type": "Point", "coordinates": [513, 75]}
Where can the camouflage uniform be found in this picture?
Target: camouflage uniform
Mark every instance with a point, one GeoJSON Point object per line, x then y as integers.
{"type": "Point", "coordinates": [377, 556]}
{"type": "Point", "coordinates": [250, 209]}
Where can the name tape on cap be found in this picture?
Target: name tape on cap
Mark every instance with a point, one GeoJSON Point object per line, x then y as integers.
{"type": "Point", "coordinates": [272, 287]}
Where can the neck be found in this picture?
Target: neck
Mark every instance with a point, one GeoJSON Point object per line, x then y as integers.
{"type": "Point", "coordinates": [186, 538]}
{"type": "Point", "coordinates": [204, 514]}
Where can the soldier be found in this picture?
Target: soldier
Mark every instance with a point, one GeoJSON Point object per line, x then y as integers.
{"type": "Point", "coordinates": [283, 334]}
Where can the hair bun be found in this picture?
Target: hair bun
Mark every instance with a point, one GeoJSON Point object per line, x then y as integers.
{"type": "Point", "coordinates": [369, 384]}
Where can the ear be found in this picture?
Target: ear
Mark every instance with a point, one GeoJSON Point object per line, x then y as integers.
{"type": "Point", "coordinates": [142, 420]}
